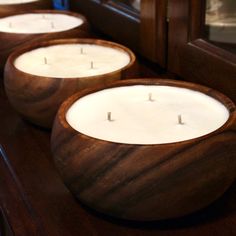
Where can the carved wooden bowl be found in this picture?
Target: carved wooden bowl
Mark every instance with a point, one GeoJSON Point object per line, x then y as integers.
{"type": "Point", "coordinates": [146, 182]}
{"type": "Point", "coordinates": [10, 9]}
{"type": "Point", "coordinates": [11, 41]}
{"type": "Point", "coordinates": [37, 98]}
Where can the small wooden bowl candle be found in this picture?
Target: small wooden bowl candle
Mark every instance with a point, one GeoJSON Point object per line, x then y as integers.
{"type": "Point", "coordinates": [10, 7]}
{"type": "Point", "coordinates": [38, 25]}
{"type": "Point", "coordinates": [38, 78]}
{"type": "Point", "coordinates": [146, 149]}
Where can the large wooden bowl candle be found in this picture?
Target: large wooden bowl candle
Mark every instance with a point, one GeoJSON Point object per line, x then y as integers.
{"type": "Point", "coordinates": [38, 25]}
{"type": "Point", "coordinates": [146, 149]}
{"type": "Point", "coordinates": [38, 78]}
{"type": "Point", "coordinates": [9, 7]}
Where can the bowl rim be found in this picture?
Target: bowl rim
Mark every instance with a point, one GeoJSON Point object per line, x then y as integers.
{"type": "Point", "coordinates": [25, 48]}
{"type": "Point", "coordinates": [227, 102]}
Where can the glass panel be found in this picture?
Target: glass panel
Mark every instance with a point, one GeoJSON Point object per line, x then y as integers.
{"type": "Point", "coordinates": [133, 4]}
{"type": "Point", "coordinates": [220, 23]}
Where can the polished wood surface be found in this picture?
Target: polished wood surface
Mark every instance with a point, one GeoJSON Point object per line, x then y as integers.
{"type": "Point", "coordinates": [193, 58]}
{"type": "Point", "coordinates": [146, 182]}
{"type": "Point", "coordinates": [11, 41]}
{"type": "Point", "coordinates": [9, 9]}
{"type": "Point", "coordinates": [34, 201]}
{"type": "Point", "coordinates": [37, 98]}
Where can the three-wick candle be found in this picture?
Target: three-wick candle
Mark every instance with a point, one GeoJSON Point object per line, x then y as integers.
{"type": "Point", "coordinates": [72, 60]}
{"type": "Point", "coordinates": [146, 114]}
{"type": "Point", "coordinates": [32, 23]}
{"type": "Point", "coordinates": [146, 149]}
{"type": "Point", "coordinates": [53, 70]}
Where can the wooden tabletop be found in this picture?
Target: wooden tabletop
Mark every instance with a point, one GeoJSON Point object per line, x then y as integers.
{"type": "Point", "coordinates": [34, 200]}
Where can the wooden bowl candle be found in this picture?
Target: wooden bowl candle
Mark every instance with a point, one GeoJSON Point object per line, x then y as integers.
{"type": "Point", "coordinates": [38, 78]}
{"type": "Point", "coordinates": [146, 149]}
{"type": "Point", "coordinates": [38, 25]}
{"type": "Point", "coordinates": [9, 7]}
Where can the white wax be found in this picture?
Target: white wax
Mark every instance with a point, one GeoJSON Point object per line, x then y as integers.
{"type": "Point", "coordinates": [67, 61]}
{"type": "Point", "coordinates": [38, 23]}
{"type": "Point", "coordinates": [3, 2]}
{"type": "Point", "coordinates": [136, 120]}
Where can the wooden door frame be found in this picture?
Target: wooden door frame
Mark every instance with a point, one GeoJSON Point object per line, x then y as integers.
{"type": "Point", "coordinates": [190, 56]}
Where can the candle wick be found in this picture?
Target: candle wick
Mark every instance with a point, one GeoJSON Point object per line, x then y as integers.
{"type": "Point", "coordinates": [150, 97]}
{"type": "Point", "coordinates": [45, 61]}
{"type": "Point", "coordinates": [81, 51]}
{"type": "Point", "coordinates": [91, 65]}
{"type": "Point", "coordinates": [52, 25]}
{"type": "Point", "coordinates": [180, 121]}
{"type": "Point", "coordinates": [109, 116]}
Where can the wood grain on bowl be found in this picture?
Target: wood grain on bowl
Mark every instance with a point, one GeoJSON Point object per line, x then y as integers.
{"type": "Point", "coordinates": [146, 182]}
{"type": "Point", "coordinates": [37, 98]}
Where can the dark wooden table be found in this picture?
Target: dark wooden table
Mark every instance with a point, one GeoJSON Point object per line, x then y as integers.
{"type": "Point", "coordinates": [34, 201]}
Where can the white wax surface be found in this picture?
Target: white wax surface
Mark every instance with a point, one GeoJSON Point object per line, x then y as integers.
{"type": "Point", "coordinates": [136, 120]}
{"type": "Point", "coordinates": [67, 61]}
{"type": "Point", "coordinates": [2, 2]}
{"type": "Point", "coordinates": [38, 23]}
